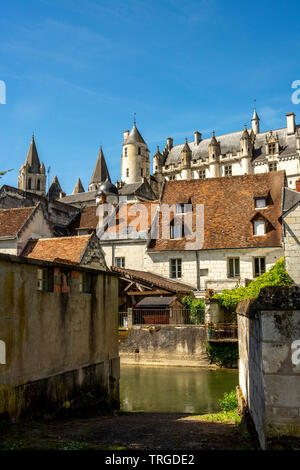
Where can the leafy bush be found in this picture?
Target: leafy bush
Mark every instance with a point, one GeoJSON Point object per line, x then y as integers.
{"type": "Point", "coordinates": [223, 354]}
{"type": "Point", "coordinates": [229, 402]}
{"type": "Point", "coordinates": [277, 276]}
{"type": "Point", "coordinates": [196, 308]}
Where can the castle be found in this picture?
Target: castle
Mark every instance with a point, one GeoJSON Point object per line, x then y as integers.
{"type": "Point", "coordinates": [246, 151]}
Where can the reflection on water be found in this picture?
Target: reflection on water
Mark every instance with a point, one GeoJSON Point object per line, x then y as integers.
{"type": "Point", "coordinates": [174, 389]}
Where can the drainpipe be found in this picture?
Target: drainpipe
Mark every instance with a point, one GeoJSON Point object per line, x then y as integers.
{"type": "Point", "coordinates": [198, 269]}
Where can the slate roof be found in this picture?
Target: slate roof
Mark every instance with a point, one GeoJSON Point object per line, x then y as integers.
{"type": "Point", "coordinates": [134, 137]}
{"type": "Point", "coordinates": [229, 210]}
{"type": "Point", "coordinates": [12, 220]}
{"type": "Point", "coordinates": [78, 188]}
{"type": "Point", "coordinates": [154, 280]}
{"type": "Point", "coordinates": [231, 143]}
{"type": "Point", "coordinates": [69, 249]}
{"type": "Point", "coordinates": [80, 197]}
{"type": "Point", "coordinates": [156, 301]}
{"type": "Point", "coordinates": [291, 197]}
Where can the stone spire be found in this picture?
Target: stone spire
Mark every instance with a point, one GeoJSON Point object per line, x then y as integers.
{"type": "Point", "coordinates": [32, 159]}
{"type": "Point", "coordinates": [55, 191]}
{"type": "Point", "coordinates": [100, 172]}
{"type": "Point", "coordinates": [78, 187]}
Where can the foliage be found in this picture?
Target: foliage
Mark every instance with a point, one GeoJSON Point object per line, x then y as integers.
{"type": "Point", "coordinates": [227, 417]}
{"type": "Point", "coordinates": [196, 308]}
{"type": "Point", "coordinates": [277, 276]}
{"type": "Point", "coordinates": [223, 354]}
{"type": "Point", "coordinates": [229, 402]}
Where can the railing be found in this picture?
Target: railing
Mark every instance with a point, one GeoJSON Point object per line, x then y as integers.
{"type": "Point", "coordinates": [151, 316]}
{"type": "Point", "coordinates": [221, 332]}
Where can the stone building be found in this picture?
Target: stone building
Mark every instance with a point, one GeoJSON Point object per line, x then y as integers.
{"type": "Point", "coordinates": [237, 153]}
{"type": "Point", "coordinates": [59, 328]}
{"type": "Point", "coordinates": [291, 234]}
{"type": "Point", "coordinates": [18, 225]}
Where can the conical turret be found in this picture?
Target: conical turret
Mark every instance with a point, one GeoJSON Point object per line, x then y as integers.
{"type": "Point", "coordinates": [78, 187]}
{"type": "Point", "coordinates": [100, 172]}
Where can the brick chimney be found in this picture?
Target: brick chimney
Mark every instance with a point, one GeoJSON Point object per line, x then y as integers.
{"type": "Point", "coordinates": [297, 184]}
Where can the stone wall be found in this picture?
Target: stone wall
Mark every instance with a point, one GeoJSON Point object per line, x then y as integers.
{"type": "Point", "coordinates": [269, 368]}
{"type": "Point", "coordinates": [61, 346]}
{"type": "Point", "coordinates": [165, 345]}
{"type": "Point", "coordinates": [292, 243]}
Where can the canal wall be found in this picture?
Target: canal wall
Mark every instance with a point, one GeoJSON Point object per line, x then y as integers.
{"type": "Point", "coordinates": [165, 345]}
{"type": "Point", "coordinates": [269, 367]}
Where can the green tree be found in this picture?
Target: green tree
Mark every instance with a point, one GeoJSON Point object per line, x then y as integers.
{"type": "Point", "coordinates": [196, 309]}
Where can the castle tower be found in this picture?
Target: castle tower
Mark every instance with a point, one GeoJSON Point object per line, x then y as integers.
{"type": "Point", "coordinates": [32, 175]}
{"type": "Point", "coordinates": [157, 162]}
{"type": "Point", "coordinates": [100, 173]}
{"type": "Point", "coordinates": [214, 152]}
{"type": "Point", "coordinates": [255, 122]}
{"type": "Point", "coordinates": [135, 159]}
{"type": "Point", "coordinates": [246, 147]}
{"type": "Point", "coordinates": [186, 157]}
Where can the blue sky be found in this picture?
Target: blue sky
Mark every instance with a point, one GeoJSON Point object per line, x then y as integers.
{"type": "Point", "coordinates": [76, 71]}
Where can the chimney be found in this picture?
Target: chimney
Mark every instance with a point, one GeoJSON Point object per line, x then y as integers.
{"type": "Point", "coordinates": [290, 123]}
{"type": "Point", "coordinates": [125, 135]}
{"type": "Point", "coordinates": [169, 142]}
{"type": "Point", "coordinates": [198, 137]}
{"type": "Point", "coordinates": [297, 184]}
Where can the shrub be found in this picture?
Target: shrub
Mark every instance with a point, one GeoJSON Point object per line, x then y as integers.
{"type": "Point", "coordinates": [223, 354]}
{"type": "Point", "coordinates": [196, 308]}
{"type": "Point", "coordinates": [229, 402]}
{"type": "Point", "coordinates": [277, 276]}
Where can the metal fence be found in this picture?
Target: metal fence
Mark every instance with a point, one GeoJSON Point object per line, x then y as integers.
{"type": "Point", "coordinates": [213, 332]}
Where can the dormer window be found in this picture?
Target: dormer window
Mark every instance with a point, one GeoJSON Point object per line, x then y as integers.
{"type": "Point", "coordinates": [176, 230]}
{"type": "Point", "coordinates": [272, 148]}
{"type": "Point", "coordinates": [259, 227]}
{"type": "Point", "coordinates": [260, 203]}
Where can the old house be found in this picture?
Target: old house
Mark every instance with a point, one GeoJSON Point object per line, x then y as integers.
{"type": "Point", "coordinates": [82, 250]}
{"type": "Point", "coordinates": [19, 224]}
{"type": "Point", "coordinates": [58, 337]}
{"type": "Point", "coordinates": [238, 236]}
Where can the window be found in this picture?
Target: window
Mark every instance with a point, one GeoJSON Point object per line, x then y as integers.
{"type": "Point", "coordinates": [175, 268]}
{"type": "Point", "coordinates": [203, 272]}
{"type": "Point", "coordinates": [142, 172]}
{"type": "Point", "coordinates": [259, 227]}
{"type": "Point", "coordinates": [139, 151]}
{"type": "Point", "coordinates": [233, 267]}
{"type": "Point", "coordinates": [202, 174]}
{"type": "Point", "coordinates": [127, 172]}
{"type": "Point", "coordinates": [85, 283]}
{"type": "Point", "coordinates": [228, 170]}
{"type": "Point", "coordinates": [38, 186]}
{"type": "Point", "coordinates": [29, 183]}
{"type": "Point", "coordinates": [176, 229]}
{"type": "Point", "coordinates": [272, 148]}
{"type": "Point", "coordinates": [45, 280]}
{"type": "Point", "coordinates": [260, 203]}
{"type": "Point", "coordinates": [180, 208]}
{"type": "Point", "coordinates": [273, 166]}
{"type": "Point", "coordinates": [259, 266]}
{"type": "Point", "coordinates": [125, 151]}
{"type": "Point", "coordinates": [120, 262]}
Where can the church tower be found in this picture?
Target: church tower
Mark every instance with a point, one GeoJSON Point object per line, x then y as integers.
{"type": "Point", "coordinates": [32, 175]}
{"type": "Point", "coordinates": [100, 173]}
{"type": "Point", "coordinates": [135, 159]}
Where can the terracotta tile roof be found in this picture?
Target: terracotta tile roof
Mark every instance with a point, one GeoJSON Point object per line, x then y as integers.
{"type": "Point", "coordinates": [134, 212]}
{"type": "Point", "coordinates": [229, 210]}
{"type": "Point", "coordinates": [12, 220]}
{"type": "Point", "coordinates": [154, 280]}
{"type": "Point", "coordinates": [68, 249]}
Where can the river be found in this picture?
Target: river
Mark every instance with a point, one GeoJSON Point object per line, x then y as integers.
{"type": "Point", "coordinates": [174, 389]}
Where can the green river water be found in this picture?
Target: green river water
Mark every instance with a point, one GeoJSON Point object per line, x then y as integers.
{"type": "Point", "coordinates": [174, 389]}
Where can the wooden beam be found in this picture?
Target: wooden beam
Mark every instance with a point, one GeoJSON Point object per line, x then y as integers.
{"type": "Point", "coordinates": [151, 292]}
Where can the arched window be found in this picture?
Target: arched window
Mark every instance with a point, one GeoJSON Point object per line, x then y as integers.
{"type": "Point", "coordinates": [29, 183]}
{"type": "Point", "coordinates": [38, 187]}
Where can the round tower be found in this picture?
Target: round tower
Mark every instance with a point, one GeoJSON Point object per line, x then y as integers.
{"type": "Point", "coordinates": [135, 159]}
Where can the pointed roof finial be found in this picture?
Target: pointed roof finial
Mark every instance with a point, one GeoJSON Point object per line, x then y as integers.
{"type": "Point", "coordinates": [134, 119]}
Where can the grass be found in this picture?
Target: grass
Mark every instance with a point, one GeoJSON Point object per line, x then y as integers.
{"type": "Point", "coordinates": [226, 417]}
